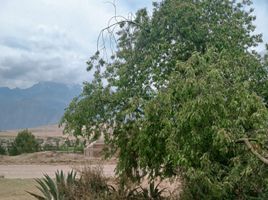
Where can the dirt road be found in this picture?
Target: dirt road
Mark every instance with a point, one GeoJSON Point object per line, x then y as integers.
{"type": "Point", "coordinates": [37, 171]}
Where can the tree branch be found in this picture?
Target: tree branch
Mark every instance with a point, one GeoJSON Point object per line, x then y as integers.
{"type": "Point", "coordinates": [250, 147]}
{"type": "Point", "coordinates": [108, 28]}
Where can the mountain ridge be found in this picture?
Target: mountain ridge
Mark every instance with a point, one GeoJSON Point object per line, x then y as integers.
{"type": "Point", "coordinates": [41, 104]}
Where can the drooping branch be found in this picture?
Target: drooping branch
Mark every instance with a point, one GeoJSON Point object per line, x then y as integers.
{"type": "Point", "coordinates": [108, 28]}
{"type": "Point", "coordinates": [251, 148]}
{"type": "Point", "coordinates": [113, 23]}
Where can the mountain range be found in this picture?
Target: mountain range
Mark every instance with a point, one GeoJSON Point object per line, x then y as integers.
{"type": "Point", "coordinates": [41, 104]}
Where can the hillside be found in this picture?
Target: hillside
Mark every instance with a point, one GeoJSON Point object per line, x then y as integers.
{"type": "Point", "coordinates": [41, 104]}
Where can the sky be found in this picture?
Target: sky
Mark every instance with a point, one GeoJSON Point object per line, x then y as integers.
{"type": "Point", "coordinates": [51, 40]}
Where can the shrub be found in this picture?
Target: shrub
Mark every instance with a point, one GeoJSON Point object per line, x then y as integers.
{"type": "Point", "coordinates": [91, 185]}
{"type": "Point", "coordinates": [25, 142]}
{"type": "Point", "coordinates": [2, 150]}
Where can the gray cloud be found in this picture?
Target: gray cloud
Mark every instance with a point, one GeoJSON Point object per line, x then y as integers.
{"type": "Point", "coordinates": [47, 54]}
{"type": "Point", "coordinates": [48, 40]}
{"type": "Point", "coordinates": [16, 68]}
{"type": "Point", "coordinates": [16, 43]}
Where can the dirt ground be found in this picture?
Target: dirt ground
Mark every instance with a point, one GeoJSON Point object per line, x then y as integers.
{"type": "Point", "coordinates": [37, 171]}
{"type": "Point", "coordinates": [15, 180]}
{"type": "Point", "coordinates": [51, 158]}
{"type": "Point", "coordinates": [17, 173]}
{"type": "Point", "coordinates": [34, 165]}
{"type": "Point", "coordinates": [15, 189]}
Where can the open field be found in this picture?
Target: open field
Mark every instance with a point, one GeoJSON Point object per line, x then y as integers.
{"type": "Point", "coordinates": [42, 131]}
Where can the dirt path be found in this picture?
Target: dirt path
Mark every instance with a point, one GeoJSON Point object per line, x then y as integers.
{"type": "Point", "coordinates": [37, 171]}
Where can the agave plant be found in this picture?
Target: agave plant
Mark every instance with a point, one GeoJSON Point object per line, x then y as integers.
{"type": "Point", "coordinates": [153, 192]}
{"type": "Point", "coordinates": [65, 184]}
{"type": "Point", "coordinates": [55, 190]}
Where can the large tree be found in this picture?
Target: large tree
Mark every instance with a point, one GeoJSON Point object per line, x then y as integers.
{"type": "Point", "coordinates": [183, 95]}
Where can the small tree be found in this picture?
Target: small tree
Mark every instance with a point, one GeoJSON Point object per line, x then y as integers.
{"type": "Point", "coordinates": [25, 142]}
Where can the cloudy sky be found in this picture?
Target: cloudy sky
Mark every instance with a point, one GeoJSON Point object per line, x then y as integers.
{"type": "Point", "coordinates": [50, 40]}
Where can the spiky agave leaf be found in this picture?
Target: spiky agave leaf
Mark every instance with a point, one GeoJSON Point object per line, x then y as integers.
{"type": "Point", "coordinates": [53, 188]}
{"type": "Point", "coordinates": [43, 188]}
{"type": "Point", "coordinates": [71, 176]}
{"type": "Point", "coordinates": [36, 196]}
{"type": "Point", "coordinates": [60, 181]}
{"type": "Point", "coordinates": [48, 188]}
{"type": "Point", "coordinates": [155, 193]}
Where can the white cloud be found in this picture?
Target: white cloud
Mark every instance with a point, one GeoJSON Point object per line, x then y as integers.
{"type": "Point", "coordinates": [50, 40]}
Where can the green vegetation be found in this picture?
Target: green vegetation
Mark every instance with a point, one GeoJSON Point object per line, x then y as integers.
{"type": "Point", "coordinates": [75, 146]}
{"type": "Point", "coordinates": [59, 189]}
{"type": "Point", "coordinates": [27, 144]}
{"type": "Point", "coordinates": [92, 185]}
{"type": "Point", "coordinates": [2, 150]}
{"type": "Point", "coordinates": [184, 96]}
{"type": "Point", "coordinates": [24, 142]}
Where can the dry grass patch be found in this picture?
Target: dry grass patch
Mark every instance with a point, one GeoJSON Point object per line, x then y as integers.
{"type": "Point", "coordinates": [14, 189]}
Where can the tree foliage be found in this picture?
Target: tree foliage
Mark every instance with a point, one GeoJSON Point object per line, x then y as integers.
{"type": "Point", "coordinates": [180, 92]}
{"type": "Point", "coordinates": [25, 142]}
{"type": "Point", "coordinates": [2, 150]}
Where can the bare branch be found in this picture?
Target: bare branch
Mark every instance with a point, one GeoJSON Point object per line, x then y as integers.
{"type": "Point", "coordinates": [253, 151]}
{"type": "Point", "coordinates": [108, 28]}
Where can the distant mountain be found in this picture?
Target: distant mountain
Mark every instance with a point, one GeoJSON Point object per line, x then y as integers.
{"type": "Point", "coordinates": [41, 104]}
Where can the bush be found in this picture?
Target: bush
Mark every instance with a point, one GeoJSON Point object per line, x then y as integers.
{"type": "Point", "coordinates": [2, 150]}
{"type": "Point", "coordinates": [25, 142]}
{"type": "Point", "coordinates": [92, 185]}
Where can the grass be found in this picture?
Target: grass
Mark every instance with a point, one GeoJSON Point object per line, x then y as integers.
{"type": "Point", "coordinates": [14, 189]}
